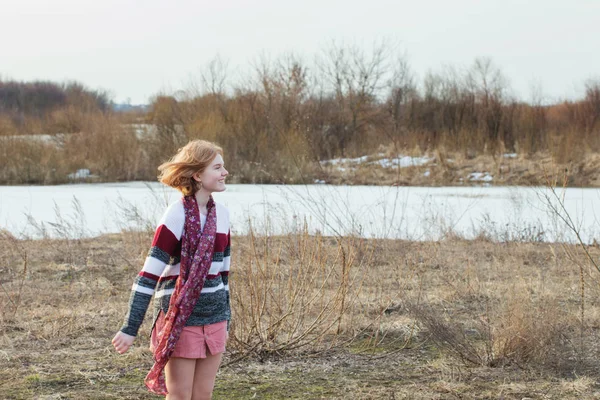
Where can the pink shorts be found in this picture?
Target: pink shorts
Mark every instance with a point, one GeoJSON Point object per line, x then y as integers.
{"type": "Point", "coordinates": [194, 341]}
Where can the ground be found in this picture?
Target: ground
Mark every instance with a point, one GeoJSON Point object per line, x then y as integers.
{"type": "Point", "coordinates": [62, 306]}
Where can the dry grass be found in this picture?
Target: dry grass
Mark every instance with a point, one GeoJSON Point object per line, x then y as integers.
{"type": "Point", "coordinates": [467, 319]}
{"type": "Point", "coordinates": [109, 149]}
{"type": "Point", "coordinates": [454, 169]}
{"type": "Point", "coordinates": [299, 292]}
{"type": "Point", "coordinates": [113, 152]}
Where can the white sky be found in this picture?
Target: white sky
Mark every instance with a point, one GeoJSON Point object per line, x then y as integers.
{"type": "Point", "coordinates": [135, 49]}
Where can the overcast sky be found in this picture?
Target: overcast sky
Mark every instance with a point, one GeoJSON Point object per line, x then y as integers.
{"type": "Point", "coordinates": [136, 48]}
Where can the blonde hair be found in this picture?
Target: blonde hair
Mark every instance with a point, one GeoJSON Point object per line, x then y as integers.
{"type": "Point", "coordinates": [192, 158]}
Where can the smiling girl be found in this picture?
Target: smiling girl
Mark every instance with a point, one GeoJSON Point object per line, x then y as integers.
{"type": "Point", "coordinates": [187, 271]}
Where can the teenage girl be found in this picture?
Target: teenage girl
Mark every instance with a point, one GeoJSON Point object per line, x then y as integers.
{"type": "Point", "coordinates": [187, 271]}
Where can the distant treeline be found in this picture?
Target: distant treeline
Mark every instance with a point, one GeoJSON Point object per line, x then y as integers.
{"type": "Point", "coordinates": [283, 115]}
{"type": "Point", "coordinates": [33, 107]}
{"type": "Point", "coordinates": [349, 102]}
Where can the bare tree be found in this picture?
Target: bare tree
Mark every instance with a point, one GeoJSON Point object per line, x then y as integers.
{"type": "Point", "coordinates": [490, 86]}
{"type": "Point", "coordinates": [591, 104]}
{"type": "Point", "coordinates": [533, 122]}
{"type": "Point", "coordinates": [402, 89]}
{"type": "Point", "coordinates": [356, 79]}
{"type": "Point", "coordinates": [214, 76]}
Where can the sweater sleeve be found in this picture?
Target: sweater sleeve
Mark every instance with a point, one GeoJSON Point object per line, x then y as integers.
{"type": "Point", "coordinates": [164, 244]}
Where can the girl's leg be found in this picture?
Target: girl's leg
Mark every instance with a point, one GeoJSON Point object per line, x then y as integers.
{"type": "Point", "coordinates": [205, 375]}
{"type": "Point", "coordinates": [179, 377]}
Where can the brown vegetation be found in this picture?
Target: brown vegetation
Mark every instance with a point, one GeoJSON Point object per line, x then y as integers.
{"type": "Point", "coordinates": [287, 114]}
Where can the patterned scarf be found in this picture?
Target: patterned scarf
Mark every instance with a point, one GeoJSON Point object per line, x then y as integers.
{"type": "Point", "coordinates": [197, 247]}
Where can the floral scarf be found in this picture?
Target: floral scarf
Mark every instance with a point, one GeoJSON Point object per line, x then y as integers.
{"type": "Point", "coordinates": [197, 247]}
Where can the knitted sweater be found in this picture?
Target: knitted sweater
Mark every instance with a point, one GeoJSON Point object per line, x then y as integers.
{"type": "Point", "coordinates": [161, 269]}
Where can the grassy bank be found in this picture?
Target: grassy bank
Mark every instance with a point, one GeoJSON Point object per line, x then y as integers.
{"type": "Point", "coordinates": [128, 152]}
{"type": "Point", "coordinates": [419, 320]}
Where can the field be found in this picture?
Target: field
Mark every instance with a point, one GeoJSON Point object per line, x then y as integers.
{"type": "Point", "coordinates": [454, 319]}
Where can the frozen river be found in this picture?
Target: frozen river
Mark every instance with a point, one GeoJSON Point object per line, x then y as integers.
{"type": "Point", "coordinates": [418, 213]}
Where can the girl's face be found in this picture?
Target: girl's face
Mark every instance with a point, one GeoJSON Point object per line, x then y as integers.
{"type": "Point", "coordinates": [213, 177]}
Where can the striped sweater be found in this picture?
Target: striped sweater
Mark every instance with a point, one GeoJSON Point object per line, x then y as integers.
{"type": "Point", "coordinates": [161, 269]}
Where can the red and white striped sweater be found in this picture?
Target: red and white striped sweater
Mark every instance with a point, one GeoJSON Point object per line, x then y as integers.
{"type": "Point", "coordinates": [161, 270]}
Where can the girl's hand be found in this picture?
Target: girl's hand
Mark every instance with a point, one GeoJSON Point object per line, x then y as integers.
{"type": "Point", "coordinates": [122, 341]}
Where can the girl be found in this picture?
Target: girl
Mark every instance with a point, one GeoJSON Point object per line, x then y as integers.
{"type": "Point", "coordinates": [188, 265]}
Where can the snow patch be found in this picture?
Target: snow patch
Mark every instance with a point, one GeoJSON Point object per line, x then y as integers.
{"type": "Point", "coordinates": [398, 162]}
{"type": "Point", "coordinates": [337, 161]}
{"type": "Point", "coordinates": [402, 161]}
{"type": "Point", "coordinates": [480, 177]}
{"type": "Point", "coordinates": [81, 174]}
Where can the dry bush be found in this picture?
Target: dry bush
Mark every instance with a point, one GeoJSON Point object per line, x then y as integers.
{"type": "Point", "coordinates": [497, 322]}
{"type": "Point", "coordinates": [530, 331]}
{"type": "Point", "coordinates": [106, 147]}
{"type": "Point", "coordinates": [297, 292]}
{"type": "Point", "coordinates": [524, 331]}
{"type": "Point", "coordinates": [25, 161]}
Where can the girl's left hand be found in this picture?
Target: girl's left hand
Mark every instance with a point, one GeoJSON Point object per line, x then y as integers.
{"type": "Point", "coordinates": [122, 342]}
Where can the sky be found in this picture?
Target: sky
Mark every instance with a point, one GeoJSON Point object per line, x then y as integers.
{"type": "Point", "coordinates": [135, 49]}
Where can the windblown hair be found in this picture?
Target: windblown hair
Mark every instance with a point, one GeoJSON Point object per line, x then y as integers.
{"type": "Point", "coordinates": [192, 158]}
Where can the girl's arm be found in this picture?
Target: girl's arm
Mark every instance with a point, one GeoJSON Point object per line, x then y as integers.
{"type": "Point", "coordinates": [164, 245]}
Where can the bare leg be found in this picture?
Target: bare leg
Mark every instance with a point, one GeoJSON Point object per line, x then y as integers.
{"type": "Point", "coordinates": [205, 375]}
{"type": "Point", "coordinates": [179, 377]}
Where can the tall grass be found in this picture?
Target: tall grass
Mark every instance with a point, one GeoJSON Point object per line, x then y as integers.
{"type": "Point", "coordinates": [298, 292]}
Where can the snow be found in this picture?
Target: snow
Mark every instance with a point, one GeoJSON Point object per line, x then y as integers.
{"type": "Point", "coordinates": [397, 162]}
{"type": "Point", "coordinates": [81, 174]}
{"type": "Point", "coordinates": [480, 177]}
{"type": "Point", "coordinates": [338, 161]}
{"type": "Point", "coordinates": [403, 162]}
{"type": "Point", "coordinates": [414, 213]}
{"type": "Point", "coordinates": [510, 155]}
